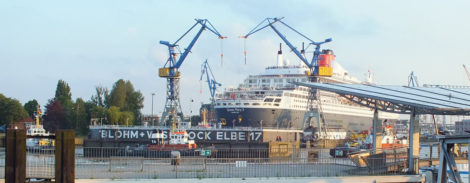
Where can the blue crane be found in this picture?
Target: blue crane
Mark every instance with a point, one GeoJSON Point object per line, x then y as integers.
{"type": "Point", "coordinates": [412, 80]}
{"type": "Point", "coordinates": [313, 64]}
{"type": "Point", "coordinates": [170, 71]}
{"type": "Point", "coordinates": [314, 67]}
{"type": "Point", "coordinates": [213, 84]}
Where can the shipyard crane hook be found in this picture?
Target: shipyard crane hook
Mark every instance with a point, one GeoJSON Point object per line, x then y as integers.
{"type": "Point", "coordinates": [172, 109]}
{"type": "Point", "coordinates": [213, 84]}
{"type": "Point", "coordinates": [315, 68]}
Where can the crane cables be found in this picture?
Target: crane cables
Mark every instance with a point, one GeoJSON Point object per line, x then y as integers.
{"type": "Point", "coordinates": [222, 50]}
{"type": "Point", "coordinates": [244, 48]}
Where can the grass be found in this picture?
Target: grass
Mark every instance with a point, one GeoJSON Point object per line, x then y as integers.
{"type": "Point", "coordinates": [199, 176]}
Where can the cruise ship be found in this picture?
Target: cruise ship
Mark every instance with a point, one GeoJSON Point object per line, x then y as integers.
{"type": "Point", "coordinates": [270, 101]}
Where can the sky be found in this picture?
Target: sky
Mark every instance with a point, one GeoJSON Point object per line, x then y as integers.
{"type": "Point", "coordinates": [91, 43]}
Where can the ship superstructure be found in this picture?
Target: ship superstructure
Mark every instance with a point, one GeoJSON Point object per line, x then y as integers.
{"type": "Point", "coordinates": [270, 100]}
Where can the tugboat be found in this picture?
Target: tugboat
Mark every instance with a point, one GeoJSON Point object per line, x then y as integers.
{"type": "Point", "coordinates": [178, 142]}
{"type": "Point", "coordinates": [38, 141]}
{"type": "Point", "coordinates": [390, 140]}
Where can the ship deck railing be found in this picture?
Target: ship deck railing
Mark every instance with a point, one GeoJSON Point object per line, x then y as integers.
{"type": "Point", "coordinates": [137, 127]}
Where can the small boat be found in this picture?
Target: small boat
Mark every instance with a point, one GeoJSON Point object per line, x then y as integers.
{"type": "Point", "coordinates": [38, 138]}
{"type": "Point", "coordinates": [390, 141]}
{"type": "Point", "coordinates": [178, 141]}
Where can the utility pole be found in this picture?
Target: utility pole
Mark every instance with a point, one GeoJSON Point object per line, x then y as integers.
{"type": "Point", "coordinates": [190, 109]}
{"type": "Point", "coordinates": [76, 117]}
{"type": "Point", "coordinates": [153, 119]}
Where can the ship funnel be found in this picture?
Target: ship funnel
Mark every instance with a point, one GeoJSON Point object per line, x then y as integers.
{"type": "Point", "coordinates": [279, 56]}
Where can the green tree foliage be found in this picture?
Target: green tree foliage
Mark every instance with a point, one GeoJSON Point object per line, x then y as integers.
{"type": "Point", "coordinates": [127, 118]}
{"type": "Point", "coordinates": [11, 110]}
{"type": "Point", "coordinates": [113, 115]}
{"type": "Point", "coordinates": [62, 91]}
{"type": "Point", "coordinates": [124, 96]}
{"type": "Point", "coordinates": [100, 112]}
{"type": "Point", "coordinates": [30, 107]}
{"type": "Point", "coordinates": [101, 98]}
{"type": "Point", "coordinates": [65, 119]}
{"type": "Point", "coordinates": [81, 118]}
{"type": "Point", "coordinates": [120, 106]}
{"type": "Point", "coordinates": [55, 116]}
{"type": "Point", "coordinates": [95, 112]}
{"type": "Point", "coordinates": [118, 94]}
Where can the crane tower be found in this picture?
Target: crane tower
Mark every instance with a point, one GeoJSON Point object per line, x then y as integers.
{"type": "Point", "coordinates": [172, 113]}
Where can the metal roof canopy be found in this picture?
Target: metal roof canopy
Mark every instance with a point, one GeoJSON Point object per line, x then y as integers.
{"type": "Point", "coordinates": [402, 99]}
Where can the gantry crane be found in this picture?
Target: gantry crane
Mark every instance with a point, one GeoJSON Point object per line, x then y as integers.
{"type": "Point", "coordinates": [172, 109]}
{"type": "Point", "coordinates": [213, 84]}
{"type": "Point", "coordinates": [315, 69]}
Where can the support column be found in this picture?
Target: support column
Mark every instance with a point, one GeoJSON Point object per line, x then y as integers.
{"type": "Point", "coordinates": [376, 133]}
{"type": "Point", "coordinates": [65, 156]}
{"type": "Point", "coordinates": [468, 145]}
{"type": "Point", "coordinates": [413, 155]}
{"type": "Point", "coordinates": [442, 173]}
{"type": "Point", "coordinates": [15, 159]}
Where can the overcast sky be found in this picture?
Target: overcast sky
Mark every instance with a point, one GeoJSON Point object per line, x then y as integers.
{"type": "Point", "coordinates": [91, 43]}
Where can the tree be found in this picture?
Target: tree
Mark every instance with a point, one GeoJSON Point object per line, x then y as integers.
{"type": "Point", "coordinates": [63, 94]}
{"type": "Point", "coordinates": [127, 118]}
{"type": "Point", "coordinates": [81, 122]}
{"type": "Point", "coordinates": [31, 107]}
{"type": "Point", "coordinates": [11, 110]}
{"type": "Point", "coordinates": [102, 97]}
{"type": "Point", "coordinates": [62, 91]}
{"type": "Point", "coordinates": [118, 94]}
{"type": "Point", "coordinates": [126, 98]}
{"type": "Point", "coordinates": [101, 113]}
{"type": "Point", "coordinates": [55, 116]}
{"type": "Point", "coordinates": [114, 115]}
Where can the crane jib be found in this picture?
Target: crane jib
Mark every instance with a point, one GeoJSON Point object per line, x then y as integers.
{"type": "Point", "coordinates": [313, 65]}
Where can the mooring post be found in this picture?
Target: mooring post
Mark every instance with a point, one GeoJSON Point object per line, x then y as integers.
{"type": "Point", "coordinates": [65, 156]}
{"type": "Point", "coordinates": [15, 159]}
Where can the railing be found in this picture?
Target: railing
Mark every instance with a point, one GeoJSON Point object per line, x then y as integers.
{"type": "Point", "coordinates": [40, 162]}
{"type": "Point", "coordinates": [131, 163]}
{"type": "Point", "coordinates": [115, 163]}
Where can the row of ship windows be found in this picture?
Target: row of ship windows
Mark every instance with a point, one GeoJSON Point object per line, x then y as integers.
{"type": "Point", "coordinates": [246, 104]}
{"type": "Point", "coordinates": [272, 99]}
{"type": "Point", "coordinates": [277, 80]}
{"type": "Point", "coordinates": [300, 100]}
{"type": "Point", "coordinates": [299, 107]}
{"type": "Point", "coordinates": [295, 95]}
{"type": "Point", "coordinates": [268, 85]}
{"type": "Point", "coordinates": [270, 104]}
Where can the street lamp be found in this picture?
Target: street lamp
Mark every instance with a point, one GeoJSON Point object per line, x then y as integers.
{"type": "Point", "coordinates": [153, 120]}
{"type": "Point", "coordinates": [190, 109]}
